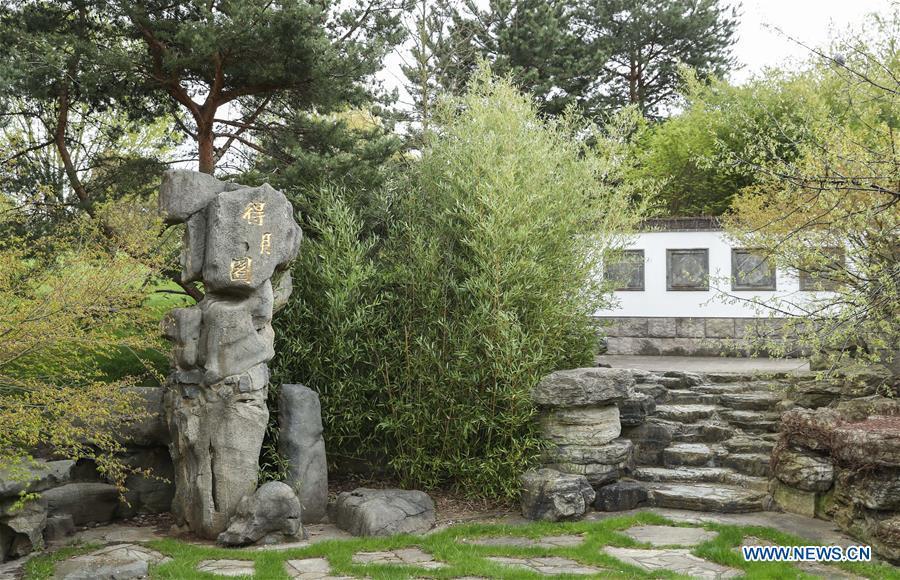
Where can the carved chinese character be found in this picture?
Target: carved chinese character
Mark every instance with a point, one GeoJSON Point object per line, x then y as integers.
{"type": "Point", "coordinates": [242, 270]}
{"type": "Point", "coordinates": [254, 213]}
{"type": "Point", "coordinates": [265, 244]}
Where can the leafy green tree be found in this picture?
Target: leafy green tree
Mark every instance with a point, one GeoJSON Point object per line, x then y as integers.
{"type": "Point", "coordinates": [424, 338]}
{"type": "Point", "coordinates": [682, 152]}
{"type": "Point", "coordinates": [832, 210]}
{"type": "Point", "coordinates": [598, 54]}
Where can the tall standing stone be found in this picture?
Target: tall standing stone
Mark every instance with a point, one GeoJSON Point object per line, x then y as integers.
{"type": "Point", "coordinates": [236, 239]}
{"type": "Point", "coordinates": [301, 443]}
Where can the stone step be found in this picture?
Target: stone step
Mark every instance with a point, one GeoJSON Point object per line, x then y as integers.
{"type": "Point", "coordinates": [700, 475]}
{"type": "Point", "coordinates": [706, 497]}
{"type": "Point", "coordinates": [753, 421]}
{"type": "Point", "coordinates": [686, 413]}
{"type": "Point", "coordinates": [760, 401]}
{"type": "Point", "coordinates": [708, 431]}
{"type": "Point", "coordinates": [752, 464]}
{"type": "Point", "coordinates": [688, 454]}
{"type": "Point", "coordinates": [718, 389]}
{"type": "Point", "coordinates": [760, 443]}
{"type": "Point", "coordinates": [719, 378]}
{"type": "Point", "coordinates": [689, 397]}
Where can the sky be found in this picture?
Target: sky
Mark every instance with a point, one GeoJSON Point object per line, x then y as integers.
{"type": "Point", "coordinates": [810, 21]}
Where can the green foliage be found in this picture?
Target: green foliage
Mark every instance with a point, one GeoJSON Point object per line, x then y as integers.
{"type": "Point", "coordinates": [599, 56]}
{"type": "Point", "coordinates": [424, 314]}
{"type": "Point", "coordinates": [836, 195]}
{"type": "Point", "coordinates": [682, 153]}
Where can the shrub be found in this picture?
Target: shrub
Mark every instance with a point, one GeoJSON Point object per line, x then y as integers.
{"type": "Point", "coordinates": [424, 342]}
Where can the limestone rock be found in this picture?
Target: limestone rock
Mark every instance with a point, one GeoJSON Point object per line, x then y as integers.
{"type": "Point", "coordinates": [217, 434]}
{"type": "Point", "coordinates": [193, 248]}
{"type": "Point", "coordinates": [153, 494]}
{"type": "Point", "coordinates": [650, 439]}
{"type": "Point", "coordinates": [589, 426]}
{"type": "Point", "coordinates": [115, 562]}
{"type": "Point", "coordinates": [600, 465]}
{"type": "Point", "coordinates": [22, 530]}
{"type": "Point", "coordinates": [804, 471]}
{"type": "Point", "coordinates": [272, 509]}
{"type": "Point", "coordinates": [550, 495]}
{"type": "Point", "coordinates": [384, 512]}
{"type": "Point", "coordinates": [182, 327]}
{"type": "Point", "coordinates": [236, 334]}
{"type": "Point", "coordinates": [794, 500]}
{"type": "Point", "coordinates": [252, 228]}
{"type": "Point", "coordinates": [875, 489]}
{"type": "Point", "coordinates": [34, 477]}
{"type": "Point", "coordinates": [85, 502]}
{"type": "Point", "coordinates": [151, 430]}
{"type": "Point", "coordinates": [583, 387]}
{"type": "Point", "coordinates": [621, 496]}
{"type": "Point", "coordinates": [184, 193]}
{"type": "Point", "coordinates": [301, 443]}
{"type": "Point", "coordinates": [59, 527]}
{"type": "Point", "coordinates": [634, 410]}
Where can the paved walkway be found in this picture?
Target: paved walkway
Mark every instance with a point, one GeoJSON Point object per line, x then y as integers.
{"type": "Point", "coordinates": [705, 364]}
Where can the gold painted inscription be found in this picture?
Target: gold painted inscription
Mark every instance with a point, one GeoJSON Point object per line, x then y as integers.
{"type": "Point", "coordinates": [255, 213]}
{"type": "Point", "coordinates": [265, 244]}
{"type": "Point", "coordinates": [242, 270]}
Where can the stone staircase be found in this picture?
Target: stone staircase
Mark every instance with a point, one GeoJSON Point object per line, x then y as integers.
{"type": "Point", "coordinates": [705, 441]}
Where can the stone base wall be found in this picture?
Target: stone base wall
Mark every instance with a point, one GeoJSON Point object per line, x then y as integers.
{"type": "Point", "coordinates": [685, 336]}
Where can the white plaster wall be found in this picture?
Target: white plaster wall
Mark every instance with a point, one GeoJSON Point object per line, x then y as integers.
{"type": "Point", "coordinates": [655, 300]}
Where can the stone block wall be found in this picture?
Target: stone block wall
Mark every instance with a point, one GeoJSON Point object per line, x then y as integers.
{"type": "Point", "coordinates": [688, 336]}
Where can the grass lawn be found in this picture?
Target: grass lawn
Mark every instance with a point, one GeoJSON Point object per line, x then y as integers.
{"type": "Point", "coordinates": [470, 560]}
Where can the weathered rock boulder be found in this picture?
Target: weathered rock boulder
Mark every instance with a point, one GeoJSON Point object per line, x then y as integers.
{"type": "Point", "coordinates": [34, 477]}
{"type": "Point", "coordinates": [585, 426]}
{"type": "Point", "coordinates": [875, 489]}
{"type": "Point", "coordinates": [21, 530]}
{"type": "Point", "coordinates": [621, 496]}
{"type": "Point", "coordinates": [301, 443]}
{"type": "Point", "coordinates": [384, 512]}
{"type": "Point", "coordinates": [550, 495]}
{"type": "Point", "coordinates": [650, 440]}
{"type": "Point", "coordinates": [599, 464]}
{"type": "Point", "coordinates": [85, 502]}
{"type": "Point", "coordinates": [273, 511]}
{"type": "Point", "coordinates": [584, 387]}
{"type": "Point", "coordinates": [804, 470]}
{"type": "Point", "coordinates": [151, 494]}
{"type": "Point", "coordinates": [634, 410]}
{"type": "Point", "coordinates": [236, 238]}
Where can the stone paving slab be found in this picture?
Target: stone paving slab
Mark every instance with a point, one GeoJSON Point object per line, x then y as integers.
{"type": "Point", "coordinates": [118, 561]}
{"type": "Point", "coordinates": [670, 535]}
{"type": "Point", "coordinates": [547, 565]}
{"type": "Point", "coordinates": [680, 561]}
{"type": "Point", "coordinates": [227, 567]}
{"type": "Point", "coordinates": [403, 556]}
{"type": "Point", "coordinates": [565, 541]}
{"type": "Point", "coordinates": [311, 569]}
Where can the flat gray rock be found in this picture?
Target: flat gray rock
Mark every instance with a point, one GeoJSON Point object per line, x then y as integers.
{"type": "Point", "coordinates": [184, 193]}
{"type": "Point", "coordinates": [38, 476]}
{"type": "Point", "coordinates": [705, 497]}
{"type": "Point", "coordinates": [669, 535]}
{"type": "Point", "coordinates": [384, 512]}
{"type": "Point", "coordinates": [116, 562]}
{"type": "Point", "coordinates": [547, 565]}
{"type": "Point", "coordinates": [85, 502]}
{"type": "Point", "coordinates": [564, 541]}
{"type": "Point", "coordinates": [399, 557]}
{"type": "Point", "coordinates": [311, 569]}
{"type": "Point", "coordinates": [227, 567]}
{"type": "Point", "coordinates": [680, 561]}
{"type": "Point", "coordinates": [583, 387]}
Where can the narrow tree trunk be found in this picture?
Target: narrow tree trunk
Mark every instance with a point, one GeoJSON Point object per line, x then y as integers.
{"type": "Point", "coordinates": [206, 144]}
